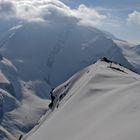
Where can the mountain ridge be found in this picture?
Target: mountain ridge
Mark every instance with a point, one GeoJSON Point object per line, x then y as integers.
{"type": "Point", "coordinates": [95, 106]}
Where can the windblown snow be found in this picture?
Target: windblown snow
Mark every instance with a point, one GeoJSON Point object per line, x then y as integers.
{"type": "Point", "coordinates": [102, 102]}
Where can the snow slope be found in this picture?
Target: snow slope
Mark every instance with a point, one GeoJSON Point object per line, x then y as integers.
{"type": "Point", "coordinates": [18, 103]}
{"type": "Point", "coordinates": [102, 104]}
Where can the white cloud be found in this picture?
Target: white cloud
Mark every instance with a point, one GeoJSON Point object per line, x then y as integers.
{"type": "Point", "coordinates": [88, 16]}
{"type": "Point", "coordinates": [134, 18]}
{"type": "Point", "coordinates": [7, 9]}
{"type": "Point", "coordinates": [49, 10]}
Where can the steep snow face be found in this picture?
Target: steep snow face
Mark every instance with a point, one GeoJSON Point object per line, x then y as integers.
{"type": "Point", "coordinates": [18, 103]}
{"type": "Point", "coordinates": [103, 103]}
{"type": "Point", "coordinates": [53, 53]}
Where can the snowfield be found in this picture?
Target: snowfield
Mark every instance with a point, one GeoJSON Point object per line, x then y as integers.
{"type": "Point", "coordinates": [102, 103]}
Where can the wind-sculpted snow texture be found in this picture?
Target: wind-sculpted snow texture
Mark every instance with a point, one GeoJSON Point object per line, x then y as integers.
{"type": "Point", "coordinates": [103, 103]}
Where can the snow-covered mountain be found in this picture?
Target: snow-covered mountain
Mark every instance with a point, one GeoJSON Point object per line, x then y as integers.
{"type": "Point", "coordinates": [137, 49]}
{"type": "Point", "coordinates": [101, 102]}
{"type": "Point", "coordinates": [36, 56]}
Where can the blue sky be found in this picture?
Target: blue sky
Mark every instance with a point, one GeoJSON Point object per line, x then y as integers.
{"type": "Point", "coordinates": [122, 5]}
{"type": "Point", "coordinates": [124, 14]}
{"type": "Point", "coordinates": [106, 3]}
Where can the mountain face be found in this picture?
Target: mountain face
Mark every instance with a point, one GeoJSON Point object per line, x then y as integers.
{"type": "Point", "coordinates": [35, 56]}
{"type": "Point", "coordinates": [136, 49]}
{"type": "Point", "coordinates": [100, 102]}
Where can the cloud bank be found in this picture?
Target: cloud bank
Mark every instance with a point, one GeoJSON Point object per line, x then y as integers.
{"type": "Point", "coordinates": [49, 10]}
{"type": "Point", "coordinates": [55, 11]}
{"type": "Point", "coordinates": [134, 18]}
